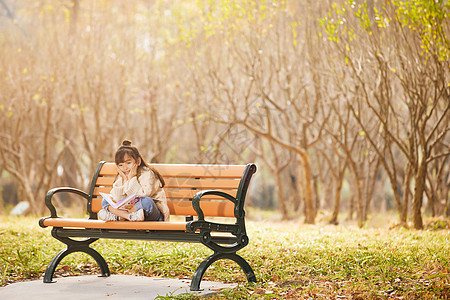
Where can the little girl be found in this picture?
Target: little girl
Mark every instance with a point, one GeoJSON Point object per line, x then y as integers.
{"type": "Point", "coordinates": [136, 177]}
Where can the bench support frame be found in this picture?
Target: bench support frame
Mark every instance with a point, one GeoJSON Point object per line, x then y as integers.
{"type": "Point", "coordinates": [198, 275]}
{"type": "Point", "coordinates": [75, 246]}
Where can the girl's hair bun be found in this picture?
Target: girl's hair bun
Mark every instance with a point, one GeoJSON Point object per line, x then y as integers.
{"type": "Point", "coordinates": [126, 143]}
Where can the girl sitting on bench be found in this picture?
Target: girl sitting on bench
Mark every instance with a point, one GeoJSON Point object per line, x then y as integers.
{"type": "Point", "coordinates": [136, 177]}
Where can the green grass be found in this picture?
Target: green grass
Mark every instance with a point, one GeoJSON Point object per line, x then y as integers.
{"type": "Point", "coordinates": [290, 260]}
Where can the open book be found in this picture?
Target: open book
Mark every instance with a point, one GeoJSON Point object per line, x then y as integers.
{"type": "Point", "coordinates": [124, 204]}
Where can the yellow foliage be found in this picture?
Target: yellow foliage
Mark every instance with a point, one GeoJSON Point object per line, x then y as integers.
{"type": "Point", "coordinates": [67, 15]}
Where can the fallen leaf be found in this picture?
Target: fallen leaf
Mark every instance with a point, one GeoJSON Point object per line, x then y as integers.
{"type": "Point", "coordinates": [260, 291]}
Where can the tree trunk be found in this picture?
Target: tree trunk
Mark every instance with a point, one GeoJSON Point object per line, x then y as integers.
{"type": "Point", "coordinates": [359, 203]}
{"type": "Point", "coordinates": [316, 196]}
{"type": "Point", "coordinates": [404, 211]}
{"type": "Point", "coordinates": [419, 188]}
{"type": "Point", "coordinates": [445, 193]}
{"type": "Point", "coordinates": [359, 196]}
{"type": "Point", "coordinates": [27, 195]}
{"type": "Point", "coordinates": [447, 208]}
{"type": "Point", "coordinates": [337, 200]}
{"type": "Point", "coordinates": [398, 201]}
{"type": "Point", "coordinates": [370, 186]}
{"type": "Point", "coordinates": [431, 202]}
{"type": "Point", "coordinates": [351, 209]}
{"type": "Point", "coordinates": [309, 199]}
{"type": "Point", "coordinates": [295, 190]}
{"type": "Point", "coordinates": [281, 197]}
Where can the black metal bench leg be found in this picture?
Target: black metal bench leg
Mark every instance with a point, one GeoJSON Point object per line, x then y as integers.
{"type": "Point", "coordinates": [79, 247]}
{"type": "Point", "coordinates": [198, 275]}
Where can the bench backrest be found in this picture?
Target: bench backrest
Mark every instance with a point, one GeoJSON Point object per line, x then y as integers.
{"type": "Point", "coordinates": [183, 181]}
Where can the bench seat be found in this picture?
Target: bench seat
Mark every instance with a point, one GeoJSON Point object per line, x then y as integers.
{"type": "Point", "coordinates": [98, 224]}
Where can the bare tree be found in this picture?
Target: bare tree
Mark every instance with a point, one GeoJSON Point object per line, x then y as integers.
{"type": "Point", "coordinates": [405, 65]}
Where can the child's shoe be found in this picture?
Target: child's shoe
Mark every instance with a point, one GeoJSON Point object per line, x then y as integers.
{"type": "Point", "coordinates": [106, 215]}
{"type": "Point", "coordinates": [137, 215]}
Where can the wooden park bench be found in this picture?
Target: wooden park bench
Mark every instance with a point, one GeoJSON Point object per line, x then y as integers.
{"type": "Point", "coordinates": [200, 193]}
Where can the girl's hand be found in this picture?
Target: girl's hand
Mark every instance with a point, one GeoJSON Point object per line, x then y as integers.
{"type": "Point", "coordinates": [124, 178]}
{"type": "Point", "coordinates": [133, 172]}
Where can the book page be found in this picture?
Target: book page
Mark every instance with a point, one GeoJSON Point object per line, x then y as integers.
{"type": "Point", "coordinates": [124, 204]}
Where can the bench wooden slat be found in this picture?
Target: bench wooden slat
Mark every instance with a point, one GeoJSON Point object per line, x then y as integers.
{"type": "Point", "coordinates": [105, 181]}
{"type": "Point", "coordinates": [209, 208]}
{"type": "Point", "coordinates": [124, 225]}
{"type": "Point", "coordinates": [189, 194]}
{"type": "Point", "coordinates": [203, 184]}
{"type": "Point", "coordinates": [185, 170]}
{"type": "Point", "coordinates": [96, 205]}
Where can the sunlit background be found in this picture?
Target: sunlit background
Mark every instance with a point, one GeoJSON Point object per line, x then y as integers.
{"type": "Point", "coordinates": [343, 105]}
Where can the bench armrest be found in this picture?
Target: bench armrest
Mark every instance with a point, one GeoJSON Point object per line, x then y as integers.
{"type": "Point", "coordinates": [199, 195]}
{"type": "Point", "coordinates": [50, 193]}
{"type": "Point", "coordinates": [206, 227]}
